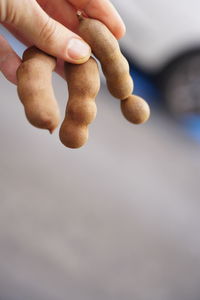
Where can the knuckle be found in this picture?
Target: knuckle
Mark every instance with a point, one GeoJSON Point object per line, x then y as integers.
{"type": "Point", "coordinates": [9, 11]}
{"type": "Point", "coordinates": [3, 5]}
{"type": "Point", "coordinates": [48, 32]}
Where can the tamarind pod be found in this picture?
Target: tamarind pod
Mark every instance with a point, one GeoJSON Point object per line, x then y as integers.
{"type": "Point", "coordinates": [83, 86]}
{"type": "Point", "coordinates": [106, 48]}
{"type": "Point", "coordinates": [34, 78]}
{"type": "Point", "coordinates": [119, 81]}
{"type": "Point", "coordinates": [135, 109]}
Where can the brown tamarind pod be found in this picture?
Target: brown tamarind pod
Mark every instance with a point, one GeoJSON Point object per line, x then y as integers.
{"type": "Point", "coordinates": [83, 86]}
{"type": "Point", "coordinates": [34, 85]}
{"type": "Point", "coordinates": [106, 48]}
{"type": "Point", "coordinates": [135, 109]}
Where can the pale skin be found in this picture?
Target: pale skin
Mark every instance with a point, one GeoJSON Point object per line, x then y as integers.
{"type": "Point", "coordinates": [51, 25]}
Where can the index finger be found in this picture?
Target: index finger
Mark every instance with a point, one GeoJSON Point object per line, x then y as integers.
{"type": "Point", "coordinates": [104, 11]}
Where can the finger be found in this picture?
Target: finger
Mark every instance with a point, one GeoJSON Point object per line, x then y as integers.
{"type": "Point", "coordinates": [104, 11]}
{"type": "Point", "coordinates": [17, 34]}
{"type": "Point", "coordinates": [61, 11]}
{"type": "Point", "coordinates": [47, 34]}
{"type": "Point", "coordinates": [60, 68]}
{"type": "Point", "coordinates": [9, 61]}
{"type": "Point", "coordinates": [60, 62]}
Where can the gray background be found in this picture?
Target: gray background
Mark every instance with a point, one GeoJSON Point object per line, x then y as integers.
{"type": "Point", "coordinates": [117, 219]}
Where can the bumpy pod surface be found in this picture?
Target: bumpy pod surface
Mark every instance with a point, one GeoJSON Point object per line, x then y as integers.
{"type": "Point", "coordinates": [83, 86]}
{"type": "Point", "coordinates": [106, 48]}
{"type": "Point", "coordinates": [135, 109]}
{"type": "Point", "coordinates": [35, 89]}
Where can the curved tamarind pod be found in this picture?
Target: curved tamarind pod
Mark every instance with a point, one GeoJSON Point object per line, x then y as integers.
{"type": "Point", "coordinates": [135, 109]}
{"type": "Point", "coordinates": [35, 89]}
{"type": "Point", "coordinates": [83, 86]}
{"type": "Point", "coordinates": [106, 48]}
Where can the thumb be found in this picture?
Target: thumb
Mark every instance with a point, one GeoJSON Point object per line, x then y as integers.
{"type": "Point", "coordinates": [39, 29]}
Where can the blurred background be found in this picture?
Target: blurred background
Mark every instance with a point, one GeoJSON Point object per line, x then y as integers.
{"type": "Point", "coordinates": [119, 218]}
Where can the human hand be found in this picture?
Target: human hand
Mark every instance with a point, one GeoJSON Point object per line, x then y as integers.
{"type": "Point", "coordinates": [51, 26]}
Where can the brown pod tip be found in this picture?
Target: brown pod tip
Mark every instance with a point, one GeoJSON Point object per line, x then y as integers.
{"type": "Point", "coordinates": [73, 135]}
{"type": "Point", "coordinates": [135, 109]}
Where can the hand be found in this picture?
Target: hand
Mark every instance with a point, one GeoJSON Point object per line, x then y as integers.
{"type": "Point", "coordinates": [51, 25]}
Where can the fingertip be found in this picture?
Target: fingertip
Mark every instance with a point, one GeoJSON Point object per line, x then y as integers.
{"type": "Point", "coordinates": [82, 60]}
{"type": "Point", "coordinates": [78, 51]}
{"type": "Point", "coordinates": [9, 68]}
{"type": "Point", "coordinates": [12, 78]}
{"type": "Point", "coordinates": [120, 31]}
{"type": "Point", "coordinates": [105, 12]}
{"type": "Point", "coordinates": [118, 25]}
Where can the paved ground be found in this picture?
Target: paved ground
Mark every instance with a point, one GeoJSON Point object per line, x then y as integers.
{"type": "Point", "coordinates": [118, 219]}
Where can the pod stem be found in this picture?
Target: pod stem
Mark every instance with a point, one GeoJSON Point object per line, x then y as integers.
{"type": "Point", "coordinates": [80, 15]}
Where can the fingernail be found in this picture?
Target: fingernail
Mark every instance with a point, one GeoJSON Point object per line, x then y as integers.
{"type": "Point", "coordinates": [77, 49]}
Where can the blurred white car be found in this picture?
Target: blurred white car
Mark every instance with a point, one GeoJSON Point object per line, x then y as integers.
{"type": "Point", "coordinates": [163, 37]}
